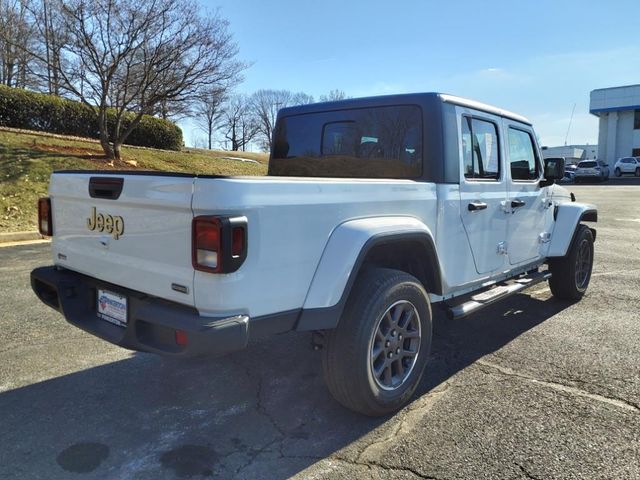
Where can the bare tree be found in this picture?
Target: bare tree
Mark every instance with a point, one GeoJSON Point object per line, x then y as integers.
{"type": "Point", "coordinates": [300, 98]}
{"type": "Point", "coordinates": [265, 105]}
{"type": "Point", "coordinates": [333, 96]}
{"type": "Point", "coordinates": [175, 110]}
{"type": "Point", "coordinates": [209, 111]}
{"type": "Point", "coordinates": [239, 125]}
{"type": "Point", "coordinates": [16, 40]}
{"type": "Point", "coordinates": [138, 56]}
{"type": "Point", "coordinates": [54, 38]}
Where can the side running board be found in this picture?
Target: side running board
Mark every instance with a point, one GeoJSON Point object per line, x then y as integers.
{"type": "Point", "coordinates": [495, 294]}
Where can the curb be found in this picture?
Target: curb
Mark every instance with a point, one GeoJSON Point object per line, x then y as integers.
{"type": "Point", "coordinates": [19, 236]}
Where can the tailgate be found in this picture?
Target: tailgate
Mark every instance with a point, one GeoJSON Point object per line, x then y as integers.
{"type": "Point", "coordinates": [140, 240]}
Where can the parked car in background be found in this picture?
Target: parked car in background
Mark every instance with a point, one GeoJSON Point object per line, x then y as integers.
{"type": "Point", "coordinates": [592, 170]}
{"type": "Point", "coordinates": [569, 173]}
{"type": "Point", "coordinates": [627, 165]}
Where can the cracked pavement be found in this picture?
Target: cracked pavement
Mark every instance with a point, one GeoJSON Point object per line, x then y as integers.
{"type": "Point", "coordinates": [530, 388]}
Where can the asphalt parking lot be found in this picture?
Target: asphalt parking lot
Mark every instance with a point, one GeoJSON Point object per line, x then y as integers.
{"type": "Point", "coordinates": [530, 388]}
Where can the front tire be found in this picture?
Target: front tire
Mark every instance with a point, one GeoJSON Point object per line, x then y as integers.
{"type": "Point", "coordinates": [374, 359]}
{"type": "Point", "coordinates": [570, 275]}
{"type": "Point", "coordinates": [637, 172]}
{"type": "Point", "coordinates": [618, 172]}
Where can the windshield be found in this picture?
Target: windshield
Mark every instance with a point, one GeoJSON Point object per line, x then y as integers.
{"type": "Point", "coordinates": [378, 142]}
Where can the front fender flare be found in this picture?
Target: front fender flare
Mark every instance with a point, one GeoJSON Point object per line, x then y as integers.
{"type": "Point", "coordinates": [567, 217]}
{"type": "Point", "coordinates": [343, 255]}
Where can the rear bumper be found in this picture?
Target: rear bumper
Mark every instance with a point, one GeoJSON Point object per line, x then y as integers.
{"type": "Point", "coordinates": [152, 322]}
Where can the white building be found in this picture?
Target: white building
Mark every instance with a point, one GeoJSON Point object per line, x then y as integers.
{"type": "Point", "coordinates": [572, 153]}
{"type": "Point", "coordinates": [619, 111]}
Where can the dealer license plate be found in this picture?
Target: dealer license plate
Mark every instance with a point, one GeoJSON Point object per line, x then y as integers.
{"type": "Point", "coordinates": [112, 307]}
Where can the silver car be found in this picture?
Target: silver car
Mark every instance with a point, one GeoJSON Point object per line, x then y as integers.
{"type": "Point", "coordinates": [627, 165]}
{"type": "Point", "coordinates": [592, 170]}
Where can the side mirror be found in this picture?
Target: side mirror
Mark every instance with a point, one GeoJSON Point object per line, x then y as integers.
{"type": "Point", "coordinates": [553, 170]}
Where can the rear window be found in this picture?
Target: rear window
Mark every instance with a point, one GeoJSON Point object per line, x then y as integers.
{"type": "Point", "coordinates": [378, 142]}
{"type": "Point", "coordinates": [587, 164]}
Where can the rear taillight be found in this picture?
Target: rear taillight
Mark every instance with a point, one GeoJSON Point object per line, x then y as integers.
{"type": "Point", "coordinates": [181, 338]}
{"type": "Point", "coordinates": [238, 240]}
{"type": "Point", "coordinates": [219, 244]}
{"type": "Point", "coordinates": [206, 244]}
{"type": "Point", "coordinates": [45, 223]}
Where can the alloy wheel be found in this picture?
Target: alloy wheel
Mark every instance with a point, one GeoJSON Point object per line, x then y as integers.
{"type": "Point", "coordinates": [395, 345]}
{"type": "Point", "coordinates": [583, 265]}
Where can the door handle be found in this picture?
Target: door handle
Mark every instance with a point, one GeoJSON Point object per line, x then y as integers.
{"type": "Point", "coordinates": [473, 206]}
{"type": "Point", "coordinates": [517, 203]}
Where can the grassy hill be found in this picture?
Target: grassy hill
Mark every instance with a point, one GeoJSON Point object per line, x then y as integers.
{"type": "Point", "coordinates": [27, 160]}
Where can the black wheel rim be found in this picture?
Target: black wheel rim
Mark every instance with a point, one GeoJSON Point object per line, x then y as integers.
{"type": "Point", "coordinates": [395, 345]}
{"type": "Point", "coordinates": [583, 264]}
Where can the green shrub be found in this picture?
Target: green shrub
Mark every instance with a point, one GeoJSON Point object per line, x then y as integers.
{"type": "Point", "coordinates": [48, 113]}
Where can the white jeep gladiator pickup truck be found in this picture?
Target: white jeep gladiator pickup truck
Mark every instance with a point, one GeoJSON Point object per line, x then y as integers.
{"type": "Point", "coordinates": [374, 210]}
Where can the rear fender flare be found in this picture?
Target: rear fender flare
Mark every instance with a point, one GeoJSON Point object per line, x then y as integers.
{"type": "Point", "coordinates": [342, 259]}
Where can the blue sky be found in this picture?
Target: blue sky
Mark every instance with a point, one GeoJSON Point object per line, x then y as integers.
{"type": "Point", "coordinates": [536, 58]}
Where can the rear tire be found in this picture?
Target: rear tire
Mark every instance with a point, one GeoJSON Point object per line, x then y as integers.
{"type": "Point", "coordinates": [368, 360]}
{"type": "Point", "coordinates": [570, 275]}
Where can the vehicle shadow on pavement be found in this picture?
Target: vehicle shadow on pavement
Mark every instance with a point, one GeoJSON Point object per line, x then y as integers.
{"type": "Point", "coordinates": [260, 413]}
{"type": "Point", "coordinates": [459, 343]}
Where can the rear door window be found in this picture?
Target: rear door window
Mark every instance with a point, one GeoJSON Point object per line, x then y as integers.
{"type": "Point", "coordinates": [480, 149]}
{"type": "Point", "coordinates": [523, 158]}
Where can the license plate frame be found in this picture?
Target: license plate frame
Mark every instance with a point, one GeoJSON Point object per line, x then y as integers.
{"type": "Point", "coordinates": [112, 307]}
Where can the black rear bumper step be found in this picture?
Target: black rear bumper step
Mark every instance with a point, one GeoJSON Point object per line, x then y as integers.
{"type": "Point", "coordinates": [152, 322]}
{"type": "Point", "coordinates": [499, 292]}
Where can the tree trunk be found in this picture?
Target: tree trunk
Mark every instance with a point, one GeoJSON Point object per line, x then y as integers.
{"type": "Point", "coordinates": [106, 146]}
{"type": "Point", "coordinates": [104, 135]}
{"type": "Point", "coordinates": [47, 45]}
{"type": "Point", "coordinates": [117, 138]}
{"type": "Point", "coordinates": [116, 150]}
{"type": "Point", "coordinates": [234, 138]}
{"type": "Point", "coordinates": [9, 78]}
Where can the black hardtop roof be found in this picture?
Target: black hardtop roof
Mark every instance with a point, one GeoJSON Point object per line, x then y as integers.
{"type": "Point", "coordinates": [424, 99]}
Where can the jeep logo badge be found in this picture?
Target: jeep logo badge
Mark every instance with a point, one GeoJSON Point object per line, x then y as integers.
{"type": "Point", "coordinates": [106, 223]}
